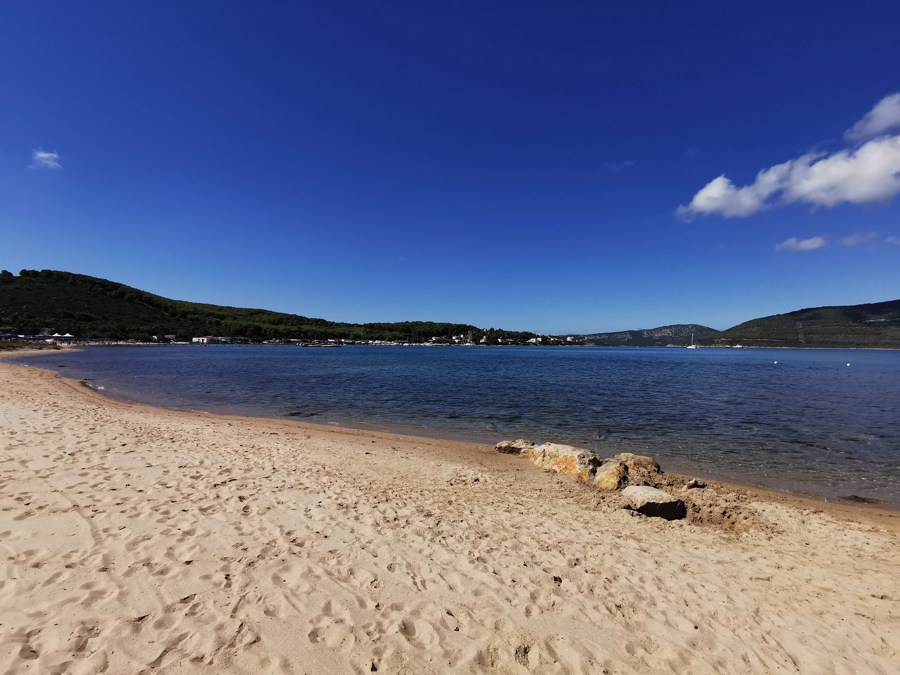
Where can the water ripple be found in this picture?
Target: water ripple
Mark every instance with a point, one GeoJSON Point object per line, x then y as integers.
{"type": "Point", "coordinates": [808, 423]}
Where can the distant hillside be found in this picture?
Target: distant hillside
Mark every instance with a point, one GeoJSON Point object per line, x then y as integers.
{"type": "Point", "coordinates": [49, 302]}
{"type": "Point", "coordinates": [872, 325]}
{"type": "Point", "coordinates": [679, 334]}
{"type": "Point", "coordinates": [61, 302]}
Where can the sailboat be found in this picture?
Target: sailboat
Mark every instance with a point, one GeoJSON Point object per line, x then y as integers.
{"type": "Point", "coordinates": [692, 345]}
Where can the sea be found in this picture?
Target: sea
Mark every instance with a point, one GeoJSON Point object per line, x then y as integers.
{"type": "Point", "coordinates": [821, 422]}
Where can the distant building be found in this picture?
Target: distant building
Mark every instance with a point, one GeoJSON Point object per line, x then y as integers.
{"type": "Point", "coordinates": [205, 340]}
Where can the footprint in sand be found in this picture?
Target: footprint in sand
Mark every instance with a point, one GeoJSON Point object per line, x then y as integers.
{"type": "Point", "coordinates": [27, 651]}
{"type": "Point", "coordinates": [419, 633]}
{"type": "Point", "coordinates": [336, 635]}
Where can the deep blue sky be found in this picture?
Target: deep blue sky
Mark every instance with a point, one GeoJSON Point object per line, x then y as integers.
{"type": "Point", "coordinates": [548, 166]}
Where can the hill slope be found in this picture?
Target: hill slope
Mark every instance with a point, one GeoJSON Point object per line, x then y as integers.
{"type": "Point", "coordinates": [871, 325]}
{"type": "Point", "coordinates": [49, 301]}
{"type": "Point", "coordinates": [679, 334]}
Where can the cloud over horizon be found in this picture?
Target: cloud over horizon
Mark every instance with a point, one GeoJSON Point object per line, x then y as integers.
{"type": "Point", "coordinates": [868, 174]}
{"type": "Point", "coordinates": [45, 160]}
{"type": "Point", "coordinates": [794, 244]}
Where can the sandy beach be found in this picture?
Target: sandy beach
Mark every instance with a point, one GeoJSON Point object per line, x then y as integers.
{"type": "Point", "coordinates": [135, 539]}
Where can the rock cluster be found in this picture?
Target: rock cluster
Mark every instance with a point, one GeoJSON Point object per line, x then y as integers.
{"type": "Point", "coordinates": [626, 471]}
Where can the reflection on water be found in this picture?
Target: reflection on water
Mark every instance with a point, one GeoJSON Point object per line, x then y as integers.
{"type": "Point", "coordinates": [796, 419]}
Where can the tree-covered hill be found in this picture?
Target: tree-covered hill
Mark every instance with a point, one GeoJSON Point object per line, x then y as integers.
{"type": "Point", "coordinates": [875, 325]}
{"type": "Point", "coordinates": [47, 302]}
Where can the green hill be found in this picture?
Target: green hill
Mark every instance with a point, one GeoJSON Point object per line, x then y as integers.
{"type": "Point", "coordinates": [875, 325]}
{"type": "Point", "coordinates": [47, 302]}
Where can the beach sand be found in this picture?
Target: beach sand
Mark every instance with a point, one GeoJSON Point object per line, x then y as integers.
{"type": "Point", "coordinates": [135, 539]}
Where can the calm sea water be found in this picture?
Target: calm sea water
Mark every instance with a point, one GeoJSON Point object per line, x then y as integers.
{"type": "Point", "coordinates": [802, 420]}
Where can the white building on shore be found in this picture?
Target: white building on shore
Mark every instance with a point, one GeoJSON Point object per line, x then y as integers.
{"type": "Point", "coordinates": [206, 340]}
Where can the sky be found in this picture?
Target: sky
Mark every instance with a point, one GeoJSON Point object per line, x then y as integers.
{"type": "Point", "coordinates": [560, 167]}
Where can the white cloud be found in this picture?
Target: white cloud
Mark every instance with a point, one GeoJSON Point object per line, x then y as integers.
{"type": "Point", "coordinates": [868, 174]}
{"type": "Point", "coordinates": [794, 244]}
{"type": "Point", "coordinates": [45, 160]}
{"type": "Point", "coordinates": [885, 116]}
{"type": "Point", "coordinates": [893, 240]}
{"type": "Point", "coordinates": [858, 238]}
{"type": "Point", "coordinates": [721, 196]}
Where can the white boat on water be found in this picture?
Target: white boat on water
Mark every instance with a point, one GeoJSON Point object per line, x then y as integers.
{"type": "Point", "coordinates": [692, 345]}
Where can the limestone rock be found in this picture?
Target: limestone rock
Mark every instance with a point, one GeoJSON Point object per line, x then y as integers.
{"type": "Point", "coordinates": [566, 459]}
{"type": "Point", "coordinates": [641, 468]}
{"type": "Point", "coordinates": [611, 475]}
{"type": "Point", "coordinates": [693, 484]}
{"type": "Point", "coordinates": [652, 502]}
{"type": "Point", "coordinates": [517, 447]}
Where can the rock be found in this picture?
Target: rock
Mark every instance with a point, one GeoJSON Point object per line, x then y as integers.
{"type": "Point", "coordinates": [641, 468]}
{"type": "Point", "coordinates": [856, 499]}
{"type": "Point", "coordinates": [638, 461]}
{"type": "Point", "coordinates": [652, 502]}
{"type": "Point", "coordinates": [611, 475]}
{"type": "Point", "coordinates": [694, 483]}
{"type": "Point", "coordinates": [566, 459]}
{"type": "Point", "coordinates": [517, 447]}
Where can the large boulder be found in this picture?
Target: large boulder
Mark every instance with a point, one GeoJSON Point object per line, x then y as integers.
{"type": "Point", "coordinates": [652, 502]}
{"type": "Point", "coordinates": [625, 469]}
{"type": "Point", "coordinates": [611, 475]}
{"type": "Point", "coordinates": [566, 459]}
{"type": "Point", "coordinates": [641, 468]}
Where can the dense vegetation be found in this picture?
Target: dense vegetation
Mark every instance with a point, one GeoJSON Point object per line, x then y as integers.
{"type": "Point", "coordinates": [872, 325]}
{"type": "Point", "coordinates": [47, 302]}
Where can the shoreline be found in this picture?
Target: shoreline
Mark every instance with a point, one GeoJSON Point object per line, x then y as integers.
{"type": "Point", "coordinates": [745, 484]}
{"type": "Point", "coordinates": [798, 499]}
{"type": "Point", "coordinates": [137, 538]}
